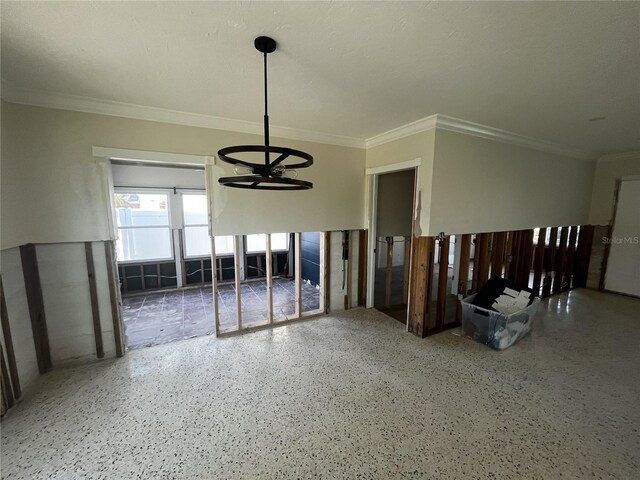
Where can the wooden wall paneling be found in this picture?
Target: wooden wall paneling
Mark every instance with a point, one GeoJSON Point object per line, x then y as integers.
{"type": "Point", "coordinates": [362, 266]}
{"type": "Point", "coordinates": [93, 295]}
{"type": "Point", "coordinates": [538, 260]}
{"type": "Point", "coordinates": [114, 297]}
{"type": "Point", "coordinates": [8, 340]}
{"type": "Point", "coordinates": [507, 254]}
{"type": "Point", "coordinates": [498, 252]}
{"type": "Point", "coordinates": [571, 252]}
{"type": "Point", "coordinates": [443, 272]}
{"type": "Point", "coordinates": [326, 274]}
{"type": "Point", "coordinates": [349, 296]}
{"type": "Point", "coordinates": [514, 255]}
{"type": "Point", "coordinates": [484, 259]}
{"type": "Point", "coordinates": [550, 264]}
{"type": "Point", "coordinates": [35, 302]}
{"type": "Point", "coordinates": [420, 286]}
{"type": "Point", "coordinates": [561, 260]}
{"type": "Point", "coordinates": [476, 263]}
{"type": "Point", "coordinates": [583, 255]}
{"type": "Point", "coordinates": [463, 273]}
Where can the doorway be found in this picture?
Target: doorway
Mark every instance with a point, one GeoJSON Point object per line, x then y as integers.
{"type": "Point", "coordinates": [393, 233]}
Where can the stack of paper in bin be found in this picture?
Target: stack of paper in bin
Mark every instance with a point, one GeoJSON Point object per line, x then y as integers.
{"type": "Point", "coordinates": [511, 301]}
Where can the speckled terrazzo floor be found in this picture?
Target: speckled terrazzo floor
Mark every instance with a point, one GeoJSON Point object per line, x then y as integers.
{"type": "Point", "coordinates": [349, 396]}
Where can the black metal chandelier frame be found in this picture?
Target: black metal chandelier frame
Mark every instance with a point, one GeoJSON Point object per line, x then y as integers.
{"type": "Point", "coordinates": [269, 175]}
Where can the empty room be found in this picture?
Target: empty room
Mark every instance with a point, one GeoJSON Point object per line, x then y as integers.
{"type": "Point", "coordinates": [377, 240]}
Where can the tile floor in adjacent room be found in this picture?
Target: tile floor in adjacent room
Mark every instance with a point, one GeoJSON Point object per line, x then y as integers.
{"type": "Point", "coordinates": [162, 317]}
{"type": "Point", "coordinates": [346, 396]}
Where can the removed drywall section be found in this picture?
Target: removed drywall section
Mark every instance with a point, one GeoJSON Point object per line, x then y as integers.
{"type": "Point", "coordinates": [418, 146]}
{"type": "Point", "coordinates": [339, 271]}
{"type": "Point", "coordinates": [609, 169]}
{"type": "Point", "coordinates": [65, 288]}
{"type": "Point", "coordinates": [395, 204]}
{"type": "Point", "coordinates": [48, 169]}
{"type": "Point", "coordinates": [481, 185]}
{"type": "Point", "coordinates": [19, 318]}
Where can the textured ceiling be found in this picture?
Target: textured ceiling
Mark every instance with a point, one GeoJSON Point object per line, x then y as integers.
{"type": "Point", "coordinates": [348, 68]}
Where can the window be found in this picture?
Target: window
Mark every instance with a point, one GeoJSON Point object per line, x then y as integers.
{"type": "Point", "coordinates": [258, 243]}
{"type": "Point", "coordinates": [224, 245]}
{"type": "Point", "coordinates": [196, 231]}
{"type": "Point", "coordinates": [144, 232]}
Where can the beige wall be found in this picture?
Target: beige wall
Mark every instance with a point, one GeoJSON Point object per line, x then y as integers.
{"type": "Point", "coordinates": [610, 168]}
{"type": "Point", "coordinates": [419, 145]}
{"type": "Point", "coordinates": [484, 186]}
{"type": "Point", "coordinates": [53, 189]}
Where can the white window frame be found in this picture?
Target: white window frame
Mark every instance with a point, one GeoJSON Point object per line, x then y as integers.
{"type": "Point", "coordinates": [258, 252]}
{"type": "Point", "coordinates": [152, 191]}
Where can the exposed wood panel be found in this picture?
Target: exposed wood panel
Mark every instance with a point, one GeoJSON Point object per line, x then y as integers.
{"type": "Point", "coordinates": [348, 297]}
{"type": "Point", "coordinates": [571, 251]}
{"type": "Point", "coordinates": [514, 255]}
{"type": "Point", "coordinates": [525, 257]}
{"type": "Point", "coordinates": [538, 261]}
{"type": "Point", "coordinates": [551, 260]}
{"type": "Point", "coordinates": [238, 279]}
{"type": "Point", "coordinates": [269, 266]}
{"type": "Point", "coordinates": [33, 290]}
{"type": "Point", "coordinates": [114, 297]}
{"type": "Point", "coordinates": [508, 257]}
{"type": "Point", "coordinates": [463, 272]}
{"type": "Point", "coordinates": [324, 266]}
{"type": "Point", "coordinates": [298, 273]}
{"type": "Point", "coordinates": [560, 262]}
{"type": "Point", "coordinates": [93, 294]}
{"type": "Point", "coordinates": [422, 249]}
{"type": "Point", "coordinates": [214, 285]}
{"type": "Point", "coordinates": [8, 340]}
{"type": "Point", "coordinates": [443, 272]}
{"type": "Point", "coordinates": [476, 263]}
{"type": "Point", "coordinates": [362, 266]}
{"type": "Point", "coordinates": [484, 259]}
{"type": "Point", "coordinates": [583, 255]}
{"type": "Point", "coordinates": [498, 252]}
{"type": "Point", "coordinates": [327, 272]}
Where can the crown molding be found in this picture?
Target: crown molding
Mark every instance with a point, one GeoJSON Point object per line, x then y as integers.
{"type": "Point", "coordinates": [632, 155]}
{"type": "Point", "coordinates": [422, 125]}
{"type": "Point", "coordinates": [457, 125]}
{"type": "Point", "coordinates": [40, 98]}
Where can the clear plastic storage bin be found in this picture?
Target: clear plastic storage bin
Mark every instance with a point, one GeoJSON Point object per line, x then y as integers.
{"type": "Point", "coordinates": [496, 329]}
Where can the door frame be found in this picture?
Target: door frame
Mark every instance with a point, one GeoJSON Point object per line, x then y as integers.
{"type": "Point", "coordinates": [373, 174]}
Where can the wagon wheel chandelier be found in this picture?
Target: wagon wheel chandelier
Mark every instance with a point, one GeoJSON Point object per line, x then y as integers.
{"type": "Point", "coordinates": [272, 174]}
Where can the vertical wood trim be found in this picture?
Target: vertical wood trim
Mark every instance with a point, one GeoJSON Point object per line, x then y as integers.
{"type": "Point", "coordinates": [463, 272]}
{"type": "Point", "coordinates": [538, 261]}
{"type": "Point", "coordinates": [526, 257]}
{"type": "Point", "coordinates": [35, 301]}
{"type": "Point", "coordinates": [389, 273]}
{"type": "Point", "coordinates": [514, 255]}
{"type": "Point", "coordinates": [93, 294]}
{"type": "Point", "coordinates": [497, 257]}
{"type": "Point", "coordinates": [10, 398]}
{"type": "Point", "coordinates": [443, 273]}
{"type": "Point", "coordinates": [298, 273]}
{"type": "Point", "coordinates": [562, 256]}
{"type": "Point", "coordinates": [236, 267]}
{"type": "Point", "coordinates": [114, 297]}
{"type": "Point", "coordinates": [349, 300]}
{"type": "Point", "coordinates": [8, 340]}
{"type": "Point", "coordinates": [322, 275]}
{"type": "Point", "coordinates": [362, 266]}
{"type": "Point", "coordinates": [476, 263]}
{"type": "Point", "coordinates": [326, 273]}
{"type": "Point", "coordinates": [571, 251]}
{"type": "Point", "coordinates": [583, 255]}
{"type": "Point", "coordinates": [508, 257]}
{"type": "Point", "coordinates": [420, 286]}
{"type": "Point", "coordinates": [483, 270]}
{"type": "Point", "coordinates": [551, 260]}
{"type": "Point", "coordinates": [214, 284]}
{"type": "Point", "coordinates": [268, 260]}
